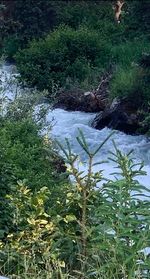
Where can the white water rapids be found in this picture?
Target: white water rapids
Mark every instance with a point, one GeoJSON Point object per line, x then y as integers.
{"type": "Point", "coordinates": [66, 125]}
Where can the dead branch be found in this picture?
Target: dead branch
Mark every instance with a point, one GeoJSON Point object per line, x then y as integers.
{"type": "Point", "coordinates": [118, 10]}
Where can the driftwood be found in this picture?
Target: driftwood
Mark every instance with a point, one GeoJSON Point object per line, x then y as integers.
{"type": "Point", "coordinates": [118, 10]}
{"type": "Point", "coordinates": [100, 94]}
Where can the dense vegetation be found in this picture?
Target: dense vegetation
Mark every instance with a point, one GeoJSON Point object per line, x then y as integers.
{"type": "Point", "coordinates": [50, 227]}
{"type": "Point", "coordinates": [53, 229]}
{"type": "Point", "coordinates": [24, 157]}
{"type": "Point", "coordinates": [85, 42]}
{"type": "Point", "coordinates": [66, 55]}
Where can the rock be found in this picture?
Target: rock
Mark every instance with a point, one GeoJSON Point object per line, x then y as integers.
{"type": "Point", "coordinates": [119, 116]}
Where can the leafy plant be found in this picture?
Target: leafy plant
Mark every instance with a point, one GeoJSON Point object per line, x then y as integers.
{"type": "Point", "coordinates": [126, 83]}
{"type": "Point", "coordinates": [29, 247]}
{"type": "Point", "coordinates": [111, 222]}
{"type": "Point", "coordinates": [97, 232]}
{"type": "Point", "coordinates": [65, 53]}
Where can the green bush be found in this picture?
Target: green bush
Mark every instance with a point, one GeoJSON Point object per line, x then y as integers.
{"type": "Point", "coordinates": [29, 19]}
{"type": "Point", "coordinates": [24, 156]}
{"type": "Point", "coordinates": [127, 83]}
{"type": "Point", "coordinates": [139, 22]}
{"type": "Point", "coordinates": [25, 20]}
{"type": "Point", "coordinates": [97, 233]}
{"type": "Point", "coordinates": [131, 77]}
{"type": "Point", "coordinates": [11, 45]}
{"type": "Point", "coordinates": [75, 13]}
{"type": "Point", "coordinates": [130, 52]}
{"type": "Point", "coordinates": [65, 53]}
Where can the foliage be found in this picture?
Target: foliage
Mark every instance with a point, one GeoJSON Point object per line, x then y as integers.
{"type": "Point", "coordinates": [49, 227]}
{"type": "Point", "coordinates": [145, 112]}
{"type": "Point", "coordinates": [127, 236]}
{"type": "Point", "coordinates": [63, 54]}
{"type": "Point", "coordinates": [140, 21]}
{"type": "Point", "coordinates": [108, 221]}
{"type": "Point", "coordinates": [97, 233]}
{"type": "Point", "coordinates": [24, 155]}
{"type": "Point", "coordinates": [24, 20]}
{"type": "Point", "coordinates": [11, 45]}
{"type": "Point", "coordinates": [29, 19]}
{"type": "Point", "coordinates": [130, 52]}
{"type": "Point", "coordinates": [78, 54]}
{"type": "Point", "coordinates": [126, 83]}
{"type": "Point", "coordinates": [34, 229]}
{"type": "Point", "coordinates": [75, 14]}
{"type": "Point", "coordinates": [132, 79]}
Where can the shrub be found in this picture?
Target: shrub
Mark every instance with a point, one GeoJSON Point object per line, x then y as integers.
{"type": "Point", "coordinates": [25, 20]}
{"type": "Point", "coordinates": [131, 78]}
{"type": "Point", "coordinates": [65, 53]}
{"type": "Point", "coordinates": [75, 14]}
{"type": "Point", "coordinates": [139, 22]}
{"type": "Point", "coordinates": [97, 234]}
{"type": "Point", "coordinates": [24, 156]}
{"type": "Point", "coordinates": [11, 45]}
{"type": "Point", "coordinates": [129, 52]}
{"type": "Point", "coordinates": [127, 83]}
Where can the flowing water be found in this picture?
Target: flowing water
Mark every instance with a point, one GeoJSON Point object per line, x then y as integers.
{"type": "Point", "coordinates": [67, 124]}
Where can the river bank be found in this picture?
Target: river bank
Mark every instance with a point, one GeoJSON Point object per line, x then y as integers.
{"type": "Point", "coordinates": [60, 124]}
{"type": "Point", "coordinates": [67, 123]}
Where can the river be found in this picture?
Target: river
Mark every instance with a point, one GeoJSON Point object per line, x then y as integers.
{"type": "Point", "coordinates": [66, 125]}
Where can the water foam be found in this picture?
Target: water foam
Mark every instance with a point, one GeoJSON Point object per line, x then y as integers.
{"type": "Point", "coordinates": [67, 124]}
